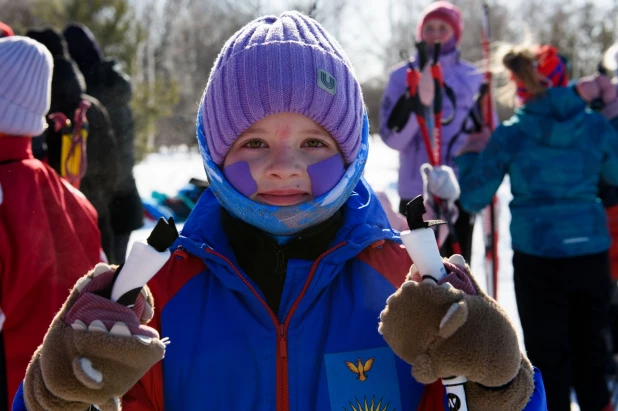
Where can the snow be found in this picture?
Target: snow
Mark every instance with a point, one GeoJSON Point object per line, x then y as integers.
{"type": "Point", "coordinates": [171, 168]}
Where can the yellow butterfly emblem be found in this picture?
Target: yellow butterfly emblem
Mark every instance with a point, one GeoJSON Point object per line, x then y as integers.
{"type": "Point", "coordinates": [359, 368]}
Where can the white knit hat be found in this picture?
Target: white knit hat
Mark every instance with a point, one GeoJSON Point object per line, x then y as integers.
{"type": "Point", "coordinates": [25, 86]}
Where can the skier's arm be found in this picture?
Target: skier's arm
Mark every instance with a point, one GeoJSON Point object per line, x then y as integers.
{"type": "Point", "coordinates": [395, 88]}
{"type": "Point", "coordinates": [480, 174]}
{"type": "Point", "coordinates": [459, 331]}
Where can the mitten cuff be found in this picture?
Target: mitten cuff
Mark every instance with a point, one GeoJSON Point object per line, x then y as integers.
{"type": "Point", "coordinates": [511, 396]}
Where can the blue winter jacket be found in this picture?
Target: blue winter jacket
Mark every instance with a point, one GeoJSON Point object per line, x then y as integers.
{"type": "Point", "coordinates": [228, 351]}
{"type": "Point", "coordinates": [555, 151]}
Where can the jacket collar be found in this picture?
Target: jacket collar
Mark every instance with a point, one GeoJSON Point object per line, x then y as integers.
{"type": "Point", "coordinates": [15, 148]}
{"type": "Point", "coordinates": [364, 223]}
{"type": "Point", "coordinates": [450, 59]}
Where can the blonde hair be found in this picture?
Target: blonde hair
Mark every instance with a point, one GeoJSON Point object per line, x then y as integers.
{"type": "Point", "coordinates": [517, 61]}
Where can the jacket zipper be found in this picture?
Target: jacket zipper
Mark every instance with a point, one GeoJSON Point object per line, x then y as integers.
{"type": "Point", "coordinates": [283, 398]}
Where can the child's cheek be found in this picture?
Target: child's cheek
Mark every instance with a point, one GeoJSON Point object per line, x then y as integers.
{"type": "Point", "coordinates": [325, 175]}
{"type": "Point", "coordinates": [239, 176]}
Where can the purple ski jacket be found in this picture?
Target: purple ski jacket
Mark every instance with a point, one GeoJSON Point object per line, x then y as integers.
{"type": "Point", "coordinates": [465, 80]}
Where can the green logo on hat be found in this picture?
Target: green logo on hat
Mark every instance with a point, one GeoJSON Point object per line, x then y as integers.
{"type": "Point", "coordinates": [327, 82]}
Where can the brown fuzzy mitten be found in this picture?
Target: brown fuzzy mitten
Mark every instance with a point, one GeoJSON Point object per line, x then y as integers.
{"type": "Point", "coordinates": [94, 351]}
{"type": "Point", "coordinates": [444, 332]}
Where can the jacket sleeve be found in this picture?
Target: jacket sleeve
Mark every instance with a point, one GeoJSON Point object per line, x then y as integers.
{"type": "Point", "coordinates": [394, 90]}
{"type": "Point", "coordinates": [18, 401]}
{"type": "Point", "coordinates": [101, 177]}
{"type": "Point", "coordinates": [434, 396]}
{"type": "Point", "coordinates": [480, 174]}
{"type": "Point", "coordinates": [538, 401]}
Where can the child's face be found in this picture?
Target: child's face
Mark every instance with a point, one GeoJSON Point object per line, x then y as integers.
{"type": "Point", "coordinates": [437, 30]}
{"type": "Point", "coordinates": [278, 150]}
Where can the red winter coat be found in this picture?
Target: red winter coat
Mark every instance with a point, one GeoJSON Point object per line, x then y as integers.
{"type": "Point", "coordinates": [48, 239]}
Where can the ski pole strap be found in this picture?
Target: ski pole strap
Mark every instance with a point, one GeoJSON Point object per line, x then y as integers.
{"type": "Point", "coordinates": [60, 121]}
{"type": "Point", "coordinates": [76, 160]}
{"type": "Point", "coordinates": [409, 102]}
{"type": "Point", "coordinates": [450, 94]}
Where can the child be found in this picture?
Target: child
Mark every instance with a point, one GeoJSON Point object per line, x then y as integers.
{"type": "Point", "coordinates": [48, 230]}
{"type": "Point", "coordinates": [272, 296]}
{"type": "Point", "coordinates": [555, 152]}
{"type": "Point", "coordinates": [441, 22]}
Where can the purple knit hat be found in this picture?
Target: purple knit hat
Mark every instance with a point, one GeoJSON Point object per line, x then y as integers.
{"type": "Point", "coordinates": [282, 64]}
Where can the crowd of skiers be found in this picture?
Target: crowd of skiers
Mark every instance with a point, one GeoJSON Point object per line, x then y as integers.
{"type": "Point", "coordinates": [561, 160]}
{"type": "Point", "coordinates": [288, 268]}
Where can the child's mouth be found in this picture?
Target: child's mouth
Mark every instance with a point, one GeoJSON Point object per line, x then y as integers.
{"type": "Point", "coordinates": [283, 197]}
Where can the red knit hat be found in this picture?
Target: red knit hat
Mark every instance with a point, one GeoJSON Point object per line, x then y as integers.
{"type": "Point", "coordinates": [551, 66]}
{"type": "Point", "coordinates": [445, 11]}
{"type": "Point", "coordinates": [5, 30]}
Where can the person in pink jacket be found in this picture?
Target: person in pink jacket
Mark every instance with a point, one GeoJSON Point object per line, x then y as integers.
{"type": "Point", "coordinates": [441, 22]}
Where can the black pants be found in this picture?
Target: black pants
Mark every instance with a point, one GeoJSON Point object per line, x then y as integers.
{"type": "Point", "coordinates": [563, 306]}
{"type": "Point", "coordinates": [464, 227]}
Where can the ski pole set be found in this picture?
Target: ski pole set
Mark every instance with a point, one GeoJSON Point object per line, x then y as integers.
{"type": "Point", "coordinates": [429, 116]}
{"type": "Point", "coordinates": [421, 245]}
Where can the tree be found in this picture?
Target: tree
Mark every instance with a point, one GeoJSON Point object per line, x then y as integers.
{"type": "Point", "coordinates": [112, 22]}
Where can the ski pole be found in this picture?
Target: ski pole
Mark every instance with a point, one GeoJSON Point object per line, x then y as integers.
{"type": "Point", "coordinates": [434, 153]}
{"type": "Point", "coordinates": [421, 245]}
{"type": "Point", "coordinates": [489, 121]}
{"type": "Point", "coordinates": [436, 73]}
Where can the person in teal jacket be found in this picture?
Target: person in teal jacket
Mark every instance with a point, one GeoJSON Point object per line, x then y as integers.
{"type": "Point", "coordinates": [555, 152]}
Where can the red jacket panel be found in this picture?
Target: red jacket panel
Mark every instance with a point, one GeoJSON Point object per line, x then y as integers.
{"type": "Point", "coordinates": [48, 239]}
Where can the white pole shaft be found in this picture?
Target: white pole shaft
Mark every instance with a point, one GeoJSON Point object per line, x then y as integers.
{"type": "Point", "coordinates": [423, 250]}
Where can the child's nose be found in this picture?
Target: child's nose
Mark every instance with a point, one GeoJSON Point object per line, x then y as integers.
{"type": "Point", "coordinates": [284, 164]}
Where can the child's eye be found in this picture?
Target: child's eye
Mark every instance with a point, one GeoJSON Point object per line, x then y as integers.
{"type": "Point", "coordinates": [314, 143]}
{"type": "Point", "coordinates": [254, 144]}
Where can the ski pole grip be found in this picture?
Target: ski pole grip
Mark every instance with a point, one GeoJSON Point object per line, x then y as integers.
{"type": "Point", "coordinates": [420, 242]}
{"type": "Point", "coordinates": [421, 47]}
{"type": "Point", "coordinates": [436, 52]}
{"type": "Point", "coordinates": [421, 245]}
{"type": "Point", "coordinates": [144, 261]}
